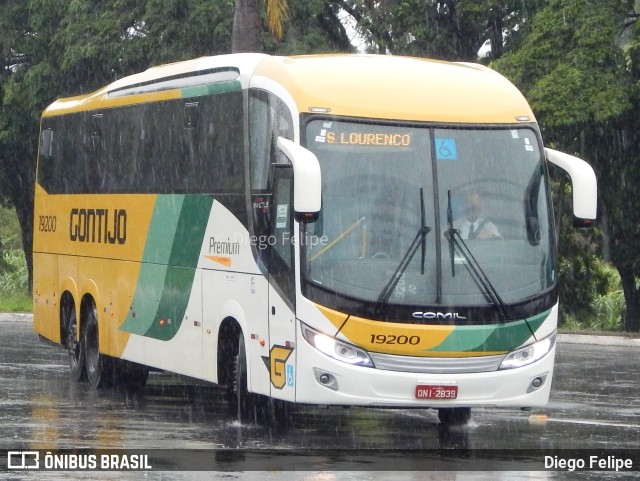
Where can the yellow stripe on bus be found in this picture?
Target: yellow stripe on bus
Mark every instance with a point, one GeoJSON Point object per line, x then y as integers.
{"type": "Point", "coordinates": [394, 338]}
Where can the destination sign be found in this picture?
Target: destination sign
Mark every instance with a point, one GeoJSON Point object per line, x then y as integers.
{"type": "Point", "coordinates": [375, 139]}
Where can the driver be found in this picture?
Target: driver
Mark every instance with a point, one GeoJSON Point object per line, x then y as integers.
{"type": "Point", "coordinates": [474, 225]}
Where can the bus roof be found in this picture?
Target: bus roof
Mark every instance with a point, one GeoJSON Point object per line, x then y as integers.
{"type": "Point", "coordinates": [367, 86]}
{"type": "Point", "coordinates": [407, 88]}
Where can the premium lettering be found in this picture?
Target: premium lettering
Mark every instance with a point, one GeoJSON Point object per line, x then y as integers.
{"type": "Point", "coordinates": [101, 226]}
{"type": "Point", "coordinates": [223, 246]}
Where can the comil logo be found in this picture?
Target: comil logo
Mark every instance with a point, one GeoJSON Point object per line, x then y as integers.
{"type": "Point", "coordinates": [23, 460]}
{"type": "Point", "coordinates": [437, 315]}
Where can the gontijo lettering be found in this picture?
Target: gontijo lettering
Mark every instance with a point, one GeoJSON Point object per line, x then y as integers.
{"type": "Point", "coordinates": [101, 226]}
{"type": "Point", "coordinates": [370, 138]}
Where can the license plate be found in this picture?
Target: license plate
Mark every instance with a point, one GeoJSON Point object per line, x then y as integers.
{"type": "Point", "coordinates": [425, 391]}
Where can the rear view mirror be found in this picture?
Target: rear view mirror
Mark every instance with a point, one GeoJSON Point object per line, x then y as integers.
{"type": "Point", "coordinates": [306, 180]}
{"type": "Point", "coordinates": [585, 186]}
{"type": "Point", "coordinates": [46, 143]}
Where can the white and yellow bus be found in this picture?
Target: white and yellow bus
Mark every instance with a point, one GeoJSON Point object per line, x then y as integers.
{"type": "Point", "coordinates": [293, 228]}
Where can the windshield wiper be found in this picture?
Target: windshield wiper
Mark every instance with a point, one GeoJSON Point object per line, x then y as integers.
{"type": "Point", "coordinates": [473, 266]}
{"type": "Point", "coordinates": [420, 239]}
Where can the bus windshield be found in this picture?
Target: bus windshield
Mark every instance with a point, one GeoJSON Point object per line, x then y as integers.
{"type": "Point", "coordinates": [421, 215]}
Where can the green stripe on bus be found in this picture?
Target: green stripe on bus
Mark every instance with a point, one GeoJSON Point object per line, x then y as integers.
{"type": "Point", "coordinates": [153, 271]}
{"type": "Point", "coordinates": [190, 229]}
{"type": "Point", "coordinates": [162, 229]}
{"type": "Point", "coordinates": [173, 303]}
{"type": "Point", "coordinates": [169, 261]}
{"type": "Point", "coordinates": [145, 303]}
{"type": "Point", "coordinates": [536, 321]}
{"type": "Point", "coordinates": [185, 252]}
{"type": "Point", "coordinates": [215, 88]}
{"type": "Point", "coordinates": [492, 337]}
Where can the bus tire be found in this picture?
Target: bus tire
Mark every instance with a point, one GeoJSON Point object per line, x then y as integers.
{"type": "Point", "coordinates": [454, 416]}
{"type": "Point", "coordinates": [97, 366]}
{"type": "Point", "coordinates": [245, 406]}
{"type": "Point", "coordinates": [239, 394]}
{"type": "Point", "coordinates": [71, 340]}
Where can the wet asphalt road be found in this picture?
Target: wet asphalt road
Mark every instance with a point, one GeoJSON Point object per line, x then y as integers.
{"type": "Point", "coordinates": [595, 404]}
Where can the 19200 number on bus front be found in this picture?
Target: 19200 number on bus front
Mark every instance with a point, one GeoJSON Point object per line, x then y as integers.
{"type": "Point", "coordinates": [393, 339]}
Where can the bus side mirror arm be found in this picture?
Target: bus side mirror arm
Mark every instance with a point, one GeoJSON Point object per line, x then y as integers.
{"type": "Point", "coordinates": [585, 185]}
{"type": "Point", "coordinates": [306, 180]}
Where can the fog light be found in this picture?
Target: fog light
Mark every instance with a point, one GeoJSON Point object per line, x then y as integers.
{"type": "Point", "coordinates": [326, 379]}
{"type": "Point", "coordinates": [537, 382]}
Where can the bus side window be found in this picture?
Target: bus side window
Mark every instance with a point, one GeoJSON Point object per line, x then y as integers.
{"type": "Point", "coordinates": [260, 128]}
{"type": "Point", "coordinates": [269, 118]}
{"type": "Point", "coordinates": [282, 235]}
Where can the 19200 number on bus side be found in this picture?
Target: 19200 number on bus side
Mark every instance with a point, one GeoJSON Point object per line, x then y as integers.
{"type": "Point", "coordinates": [47, 223]}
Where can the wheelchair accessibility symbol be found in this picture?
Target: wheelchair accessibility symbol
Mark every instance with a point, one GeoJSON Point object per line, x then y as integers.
{"type": "Point", "coordinates": [446, 149]}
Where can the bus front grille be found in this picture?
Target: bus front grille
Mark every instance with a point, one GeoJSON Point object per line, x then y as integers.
{"type": "Point", "coordinates": [436, 365]}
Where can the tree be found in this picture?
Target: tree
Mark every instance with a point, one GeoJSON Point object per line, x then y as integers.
{"type": "Point", "coordinates": [444, 29]}
{"type": "Point", "coordinates": [50, 49]}
{"type": "Point", "coordinates": [583, 86]}
{"type": "Point", "coordinates": [247, 26]}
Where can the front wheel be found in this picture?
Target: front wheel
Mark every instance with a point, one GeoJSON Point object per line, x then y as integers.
{"type": "Point", "coordinates": [245, 406]}
{"type": "Point", "coordinates": [454, 416]}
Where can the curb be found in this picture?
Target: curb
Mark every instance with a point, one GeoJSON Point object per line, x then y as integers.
{"type": "Point", "coordinates": [16, 317]}
{"type": "Point", "coordinates": [593, 339]}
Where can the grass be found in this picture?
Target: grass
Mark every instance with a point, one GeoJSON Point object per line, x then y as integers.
{"type": "Point", "coordinates": [14, 288]}
{"type": "Point", "coordinates": [16, 303]}
{"type": "Point", "coordinates": [14, 291]}
{"type": "Point", "coordinates": [604, 314]}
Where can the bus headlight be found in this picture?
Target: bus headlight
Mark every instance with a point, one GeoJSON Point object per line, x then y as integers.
{"type": "Point", "coordinates": [332, 347]}
{"type": "Point", "coordinates": [529, 354]}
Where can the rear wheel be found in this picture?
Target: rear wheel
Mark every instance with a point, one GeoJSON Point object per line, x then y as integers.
{"type": "Point", "coordinates": [454, 416]}
{"type": "Point", "coordinates": [97, 366]}
{"type": "Point", "coordinates": [72, 342]}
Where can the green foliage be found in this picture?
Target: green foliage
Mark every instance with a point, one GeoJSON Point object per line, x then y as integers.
{"type": "Point", "coordinates": [591, 296]}
{"type": "Point", "coordinates": [312, 27]}
{"type": "Point", "coordinates": [9, 230]}
{"type": "Point", "coordinates": [451, 30]}
{"type": "Point", "coordinates": [13, 273]}
{"type": "Point", "coordinates": [14, 292]}
{"type": "Point", "coordinates": [568, 64]}
{"type": "Point", "coordinates": [50, 49]}
{"type": "Point", "coordinates": [577, 62]}
{"type": "Point", "coordinates": [182, 29]}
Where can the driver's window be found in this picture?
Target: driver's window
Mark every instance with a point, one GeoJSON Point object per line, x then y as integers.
{"type": "Point", "coordinates": [282, 238]}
